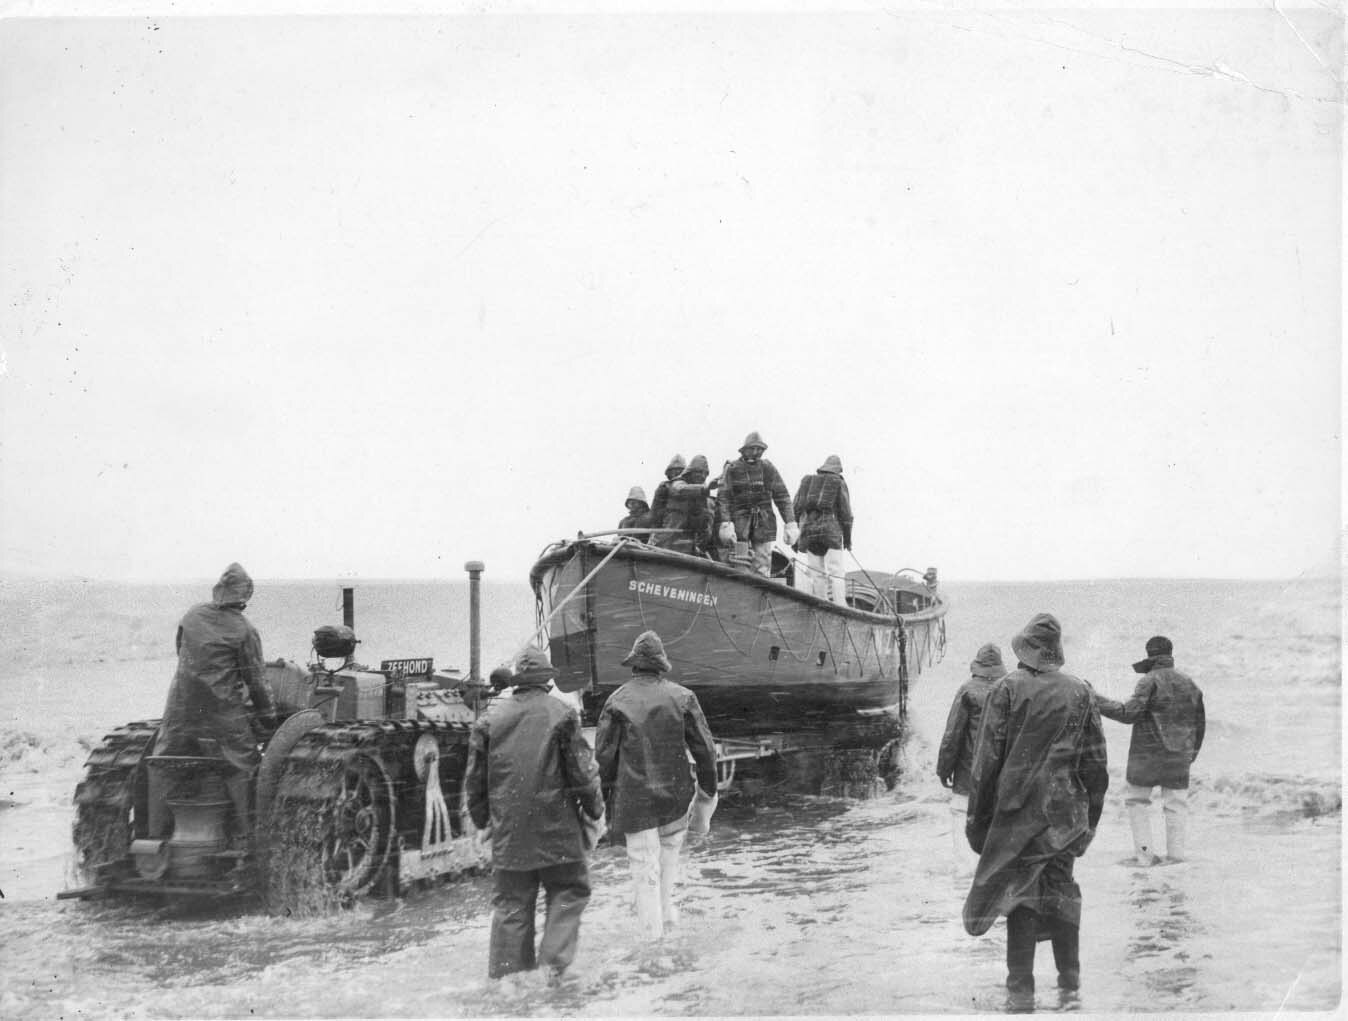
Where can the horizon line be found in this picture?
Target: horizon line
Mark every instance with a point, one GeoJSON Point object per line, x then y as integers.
{"type": "Point", "coordinates": [9, 578]}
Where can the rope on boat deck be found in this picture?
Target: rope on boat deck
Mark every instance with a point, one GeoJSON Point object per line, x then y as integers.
{"type": "Point", "coordinates": [538, 629]}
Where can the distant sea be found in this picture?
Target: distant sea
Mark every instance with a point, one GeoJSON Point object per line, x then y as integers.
{"type": "Point", "coordinates": [796, 906]}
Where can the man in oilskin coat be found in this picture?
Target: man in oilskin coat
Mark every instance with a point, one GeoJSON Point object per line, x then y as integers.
{"type": "Point", "coordinates": [1168, 720]}
{"type": "Point", "coordinates": [750, 486]}
{"type": "Point", "coordinates": [648, 731]}
{"type": "Point", "coordinates": [823, 506]}
{"type": "Point", "coordinates": [955, 757]}
{"type": "Point", "coordinates": [1037, 789]}
{"type": "Point", "coordinates": [530, 774]}
{"type": "Point", "coordinates": [220, 671]}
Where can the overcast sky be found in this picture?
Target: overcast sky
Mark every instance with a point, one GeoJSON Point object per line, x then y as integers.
{"type": "Point", "coordinates": [372, 296]}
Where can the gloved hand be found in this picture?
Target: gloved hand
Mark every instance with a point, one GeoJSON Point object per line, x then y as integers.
{"type": "Point", "coordinates": [792, 533]}
{"type": "Point", "coordinates": [704, 806]}
{"type": "Point", "coordinates": [592, 830]}
{"type": "Point", "coordinates": [727, 533]}
{"type": "Point", "coordinates": [976, 836]}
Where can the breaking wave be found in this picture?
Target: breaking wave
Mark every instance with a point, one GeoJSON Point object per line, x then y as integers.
{"type": "Point", "coordinates": [23, 751]}
{"type": "Point", "coordinates": [1268, 795]}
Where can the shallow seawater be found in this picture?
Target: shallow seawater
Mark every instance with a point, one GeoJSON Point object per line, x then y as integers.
{"type": "Point", "coordinates": [796, 905]}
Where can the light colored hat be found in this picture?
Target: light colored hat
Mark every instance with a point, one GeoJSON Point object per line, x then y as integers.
{"type": "Point", "coordinates": [676, 464]}
{"type": "Point", "coordinates": [532, 667]}
{"type": "Point", "coordinates": [988, 663]}
{"type": "Point", "coordinates": [1039, 644]}
{"type": "Point", "coordinates": [754, 439]}
{"type": "Point", "coordinates": [637, 493]}
{"type": "Point", "coordinates": [832, 463]}
{"type": "Point", "coordinates": [648, 654]}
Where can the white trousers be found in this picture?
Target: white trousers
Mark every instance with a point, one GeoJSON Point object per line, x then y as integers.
{"type": "Point", "coordinates": [1175, 807]}
{"type": "Point", "coordinates": [829, 574]}
{"type": "Point", "coordinates": [964, 862]}
{"type": "Point", "coordinates": [653, 858]}
{"type": "Point", "coordinates": [824, 576]}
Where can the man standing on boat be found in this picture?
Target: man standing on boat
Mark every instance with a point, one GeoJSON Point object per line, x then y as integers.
{"type": "Point", "coordinates": [638, 512]}
{"type": "Point", "coordinates": [660, 501]}
{"type": "Point", "coordinates": [823, 507]}
{"type": "Point", "coordinates": [750, 487]}
{"type": "Point", "coordinates": [955, 760]}
{"type": "Point", "coordinates": [531, 779]}
{"type": "Point", "coordinates": [689, 508]}
{"type": "Point", "coordinates": [1036, 791]}
{"type": "Point", "coordinates": [648, 730]}
{"type": "Point", "coordinates": [1168, 720]}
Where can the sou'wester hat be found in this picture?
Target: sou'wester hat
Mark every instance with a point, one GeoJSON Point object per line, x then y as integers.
{"type": "Point", "coordinates": [648, 654]}
{"type": "Point", "coordinates": [988, 663]}
{"type": "Point", "coordinates": [532, 667]}
{"type": "Point", "coordinates": [832, 464]}
{"type": "Point", "coordinates": [1039, 644]}
{"type": "Point", "coordinates": [754, 439]}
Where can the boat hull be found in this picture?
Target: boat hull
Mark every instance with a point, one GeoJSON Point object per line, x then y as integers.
{"type": "Point", "coordinates": [760, 655]}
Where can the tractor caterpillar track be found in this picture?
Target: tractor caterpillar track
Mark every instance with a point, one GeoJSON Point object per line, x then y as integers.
{"type": "Point", "coordinates": [105, 800]}
{"type": "Point", "coordinates": [347, 801]}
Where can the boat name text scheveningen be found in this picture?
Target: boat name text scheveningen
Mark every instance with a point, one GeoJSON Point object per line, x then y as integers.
{"type": "Point", "coordinates": [650, 588]}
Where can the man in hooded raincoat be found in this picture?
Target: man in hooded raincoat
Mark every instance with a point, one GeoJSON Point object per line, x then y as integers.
{"type": "Point", "coordinates": [1168, 720]}
{"type": "Point", "coordinates": [220, 686]}
{"type": "Point", "coordinates": [955, 758]}
{"type": "Point", "coordinates": [823, 507]}
{"type": "Point", "coordinates": [647, 731]}
{"type": "Point", "coordinates": [530, 776]}
{"type": "Point", "coordinates": [750, 486]}
{"type": "Point", "coordinates": [1037, 788]}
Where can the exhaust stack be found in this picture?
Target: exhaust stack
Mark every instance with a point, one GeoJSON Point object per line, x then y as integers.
{"type": "Point", "coordinates": [474, 569]}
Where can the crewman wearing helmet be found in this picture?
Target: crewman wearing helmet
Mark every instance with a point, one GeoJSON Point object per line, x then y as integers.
{"type": "Point", "coordinates": [750, 487]}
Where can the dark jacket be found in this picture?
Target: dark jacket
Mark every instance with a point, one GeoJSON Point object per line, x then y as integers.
{"type": "Point", "coordinates": [641, 519]}
{"type": "Point", "coordinates": [1168, 720]}
{"type": "Point", "coordinates": [221, 680]}
{"type": "Point", "coordinates": [646, 731]}
{"type": "Point", "coordinates": [1036, 792]}
{"type": "Point", "coordinates": [955, 760]}
{"type": "Point", "coordinates": [747, 495]}
{"type": "Point", "coordinates": [689, 509]}
{"type": "Point", "coordinates": [660, 501]}
{"type": "Point", "coordinates": [824, 509]}
{"type": "Point", "coordinates": [529, 773]}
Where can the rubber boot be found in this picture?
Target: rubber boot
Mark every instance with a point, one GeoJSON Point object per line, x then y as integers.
{"type": "Point", "coordinates": [1021, 932]}
{"type": "Point", "coordinates": [240, 786]}
{"type": "Point", "coordinates": [1139, 817]}
{"type": "Point", "coordinates": [1067, 955]}
{"type": "Point", "coordinates": [1176, 826]}
{"type": "Point", "coordinates": [159, 818]}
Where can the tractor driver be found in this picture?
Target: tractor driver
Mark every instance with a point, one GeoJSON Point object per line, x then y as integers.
{"type": "Point", "coordinates": [220, 667]}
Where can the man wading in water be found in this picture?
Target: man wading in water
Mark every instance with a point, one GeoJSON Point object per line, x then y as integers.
{"type": "Point", "coordinates": [1036, 792]}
